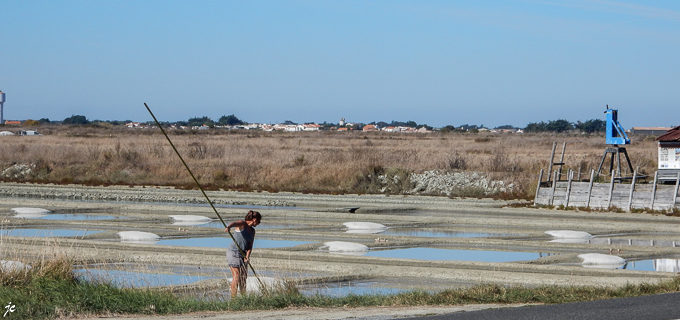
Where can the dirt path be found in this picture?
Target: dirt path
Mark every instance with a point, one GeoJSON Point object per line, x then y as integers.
{"type": "Point", "coordinates": [377, 313]}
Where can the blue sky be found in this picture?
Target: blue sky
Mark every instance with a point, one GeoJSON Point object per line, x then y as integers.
{"type": "Point", "coordinates": [434, 62]}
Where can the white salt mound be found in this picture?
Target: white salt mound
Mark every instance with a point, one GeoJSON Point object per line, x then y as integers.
{"type": "Point", "coordinates": [598, 260]}
{"type": "Point", "coordinates": [189, 220]}
{"type": "Point", "coordinates": [30, 212]}
{"type": "Point", "coordinates": [253, 286]}
{"type": "Point", "coordinates": [570, 240]}
{"type": "Point", "coordinates": [341, 246]}
{"type": "Point", "coordinates": [364, 225]}
{"type": "Point", "coordinates": [138, 236]}
{"type": "Point", "coordinates": [569, 234]}
{"type": "Point", "coordinates": [9, 266]}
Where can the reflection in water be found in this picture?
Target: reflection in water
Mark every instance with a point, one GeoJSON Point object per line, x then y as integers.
{"type": "Point", "coordinates": [661, 265]}
{"type": "Point", "coordinates": [667, 265]}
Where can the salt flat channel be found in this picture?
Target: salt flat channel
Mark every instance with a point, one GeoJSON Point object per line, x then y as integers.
{"type": "Point", "coordinates": [440, 240]}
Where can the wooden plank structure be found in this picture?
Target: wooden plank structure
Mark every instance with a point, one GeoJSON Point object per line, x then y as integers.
{"type": "Point", "coordinates": [575, 193]}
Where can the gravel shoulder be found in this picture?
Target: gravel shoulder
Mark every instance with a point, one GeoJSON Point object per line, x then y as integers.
{"type": "Point", "coordinates": [376, 313]}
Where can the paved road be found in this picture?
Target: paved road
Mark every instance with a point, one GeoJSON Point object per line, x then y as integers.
{"type": "Point", "coordinates": [662, 306]}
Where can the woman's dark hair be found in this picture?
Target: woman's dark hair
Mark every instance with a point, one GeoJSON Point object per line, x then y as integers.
{"type": "Point", "coordinates": [253, 215]}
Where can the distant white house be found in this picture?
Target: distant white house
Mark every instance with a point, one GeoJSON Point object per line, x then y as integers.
{"type": "Point", "coordinates": [311, 127]}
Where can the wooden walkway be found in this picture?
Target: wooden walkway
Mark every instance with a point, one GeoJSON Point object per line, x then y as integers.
{"type": "Point", "coordinates": [635, 195]}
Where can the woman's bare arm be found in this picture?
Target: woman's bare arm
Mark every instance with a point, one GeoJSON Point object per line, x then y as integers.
{"type": "Point", "coordinates": [239, 225]}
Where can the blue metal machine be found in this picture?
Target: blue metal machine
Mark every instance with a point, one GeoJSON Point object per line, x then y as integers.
{"type": "Point", "coordinates": [615, 133]}
{"type": "Point", "coordinates": [615, 136]}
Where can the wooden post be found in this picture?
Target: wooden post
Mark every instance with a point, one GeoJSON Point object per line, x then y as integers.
{"type": "Point", "coordinates": [611, 190]}
{"type": "Point", "coordinates": [570, 175]}
{"type": "Point", "coordinates": [675, 193]}
{"type": "Point", "coordinates": [579, 174]}
{"type": "Point", "coordinates": [552, 159]}
{"type": "Point", "coordinates": [632, 188]}
{"type": "Point", "coordinates": [554, 185]}
{"type": "Point", "coordinates": [618, 161]}
{"type": "Point", "coordinates": [564, 147]}
{"type": "Point", "coordinates": [590, 187]}
{"type": "Point", "coordinates": [651, 202]}
{"type": "Point", "coordinates": [538, 187]}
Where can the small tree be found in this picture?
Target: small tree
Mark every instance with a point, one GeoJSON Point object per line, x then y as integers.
{"type": "Point", "coordinates": [591, 126]}
{"type": "Point", "coordinates": [197, 122]}
{"type": "Point", "coordinates": [76, 119]}
{"type": "Point", "coordinates": [230, 120]}
{"type": "Point", "coordinates": [31, 123]}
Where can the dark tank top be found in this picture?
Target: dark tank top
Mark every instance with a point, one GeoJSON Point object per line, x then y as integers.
{"type": "Point", "coordinates": [244, 238]}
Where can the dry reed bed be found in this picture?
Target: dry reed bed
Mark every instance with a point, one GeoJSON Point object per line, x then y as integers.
{"type": "Point", "coordinates": [319, 162]}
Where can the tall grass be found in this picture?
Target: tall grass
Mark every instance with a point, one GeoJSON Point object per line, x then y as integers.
{"type": "Point", "coordinates": [318, 162]}
{"type": "Point", "coordinates": [50, 290]}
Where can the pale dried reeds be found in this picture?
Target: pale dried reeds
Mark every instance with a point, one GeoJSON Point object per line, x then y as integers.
{"type": "Point", "coordinates": [319, 162]}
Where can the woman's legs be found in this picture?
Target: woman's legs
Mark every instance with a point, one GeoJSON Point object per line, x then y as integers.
{"type": "Point", "coordinates": [238, 282]}
{"type": "Point", "coordinates": [243, 273]}
{"type": "Point", "coordinates": [235, 279]}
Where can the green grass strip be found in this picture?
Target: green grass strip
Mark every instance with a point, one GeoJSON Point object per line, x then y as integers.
{"type": "Point", "coordinates": [45, 293]}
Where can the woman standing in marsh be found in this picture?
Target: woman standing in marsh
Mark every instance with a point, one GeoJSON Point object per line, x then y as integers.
{"type": "Point", "coordinates": [238, 259]}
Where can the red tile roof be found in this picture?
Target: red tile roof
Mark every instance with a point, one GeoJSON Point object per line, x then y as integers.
{"type": "Point", "coordinates": [670, 135]}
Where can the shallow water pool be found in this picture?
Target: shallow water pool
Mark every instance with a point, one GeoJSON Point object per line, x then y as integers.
{"type": "Point", "coordinates": [435, 254]}
{"type": "Point", "coordinates": [42, 233]}
{"type": "Point", "coordinates": [128, 279]}
{"type": "Point", "coordinates": [223, 242]}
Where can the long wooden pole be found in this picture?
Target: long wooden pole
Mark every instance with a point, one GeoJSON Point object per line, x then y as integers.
{"type": "Point", "coordinates": [204, 194]}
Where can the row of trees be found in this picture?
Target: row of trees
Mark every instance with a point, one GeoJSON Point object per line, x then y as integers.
{"type": "Point", "coordinates": [557, 126]}
{"type": "Point", "coordinates": [230, 120]}
{"type": "Point", "coordinates": [561, 125]}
